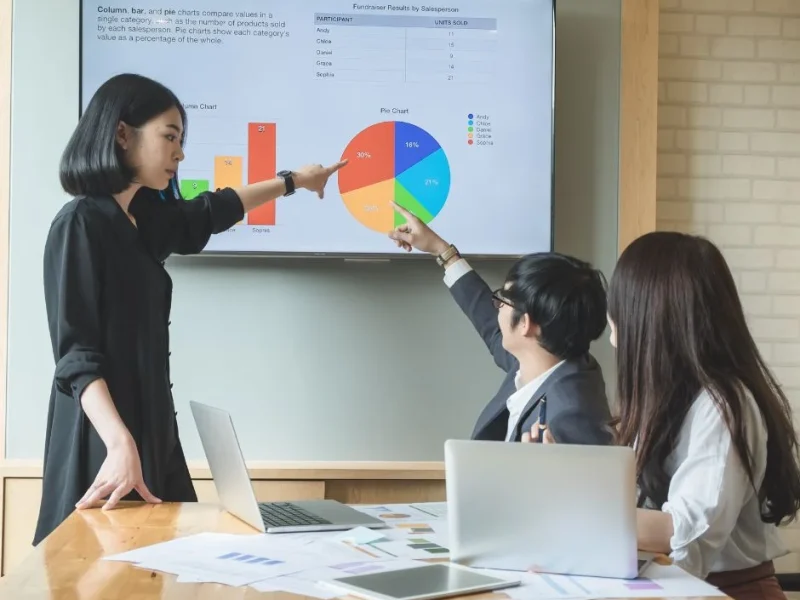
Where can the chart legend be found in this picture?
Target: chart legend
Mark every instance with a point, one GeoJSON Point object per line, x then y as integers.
{"type": "Point", "coordinates": [394, 161]}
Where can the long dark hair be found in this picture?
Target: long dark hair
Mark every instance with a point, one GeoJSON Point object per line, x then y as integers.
{"type": "Point", "coordinates": [680, 329]}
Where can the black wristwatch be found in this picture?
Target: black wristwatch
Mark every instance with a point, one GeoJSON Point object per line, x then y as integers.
{"type": "Point", "coordinates": [288, 180]}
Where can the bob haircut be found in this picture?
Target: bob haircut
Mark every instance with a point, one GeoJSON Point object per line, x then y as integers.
{"type": "Point", "coordinates": [93, 164]}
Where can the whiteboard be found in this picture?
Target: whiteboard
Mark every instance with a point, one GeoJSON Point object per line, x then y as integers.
{"type": "Point", "coordinates": [446, 109]}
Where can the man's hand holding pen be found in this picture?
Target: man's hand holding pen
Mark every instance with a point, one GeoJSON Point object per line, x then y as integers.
{"type": "Point", "coordinates": [539, 433]}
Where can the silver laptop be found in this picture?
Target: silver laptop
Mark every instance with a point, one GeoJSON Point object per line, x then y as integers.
{"type": "Point", "coordinates": [554, 508]}
{"type": "Point", "coordinates": [228, 469]}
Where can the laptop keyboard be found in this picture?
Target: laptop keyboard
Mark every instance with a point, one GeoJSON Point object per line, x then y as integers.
{"type": "Point", "coordinates": [286, 514]}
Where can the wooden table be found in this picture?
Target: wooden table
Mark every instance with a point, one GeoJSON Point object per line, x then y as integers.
{"type": "Point", "coordinates": [66, 565]}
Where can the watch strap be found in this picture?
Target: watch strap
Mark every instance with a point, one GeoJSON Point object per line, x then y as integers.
{"type": "Point", "coordinates": [288, 179]}
{"type": "Point", "coordinates": [447, 255]}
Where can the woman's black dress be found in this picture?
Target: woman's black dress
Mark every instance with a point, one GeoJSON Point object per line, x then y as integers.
{"type": "Point", "coordinates": [108, 299]}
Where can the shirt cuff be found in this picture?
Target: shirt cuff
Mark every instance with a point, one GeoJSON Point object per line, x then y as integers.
{"type": "Point", "coordinates": [684, 543]}
{"type": "Point", "coordinates": [76, 370]}
{"type": "Point", "coordinates": [456, 271]}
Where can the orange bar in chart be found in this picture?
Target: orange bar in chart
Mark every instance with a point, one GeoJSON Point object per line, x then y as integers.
{"type": "Point", "coordinates": [227, 172]}
{"type": "Point", "coordinates": [261, 165]}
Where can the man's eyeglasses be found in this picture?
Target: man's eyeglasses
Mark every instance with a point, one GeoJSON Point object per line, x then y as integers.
{"type": "Point", "coordinates": [498, 299]}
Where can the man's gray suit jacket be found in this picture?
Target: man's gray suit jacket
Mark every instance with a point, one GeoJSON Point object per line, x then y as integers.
{"type": "Point", "coordinates": [577, 406]}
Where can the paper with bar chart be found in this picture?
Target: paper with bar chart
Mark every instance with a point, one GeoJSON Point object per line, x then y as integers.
{"type": "Point", "coordinates": [446, 110]}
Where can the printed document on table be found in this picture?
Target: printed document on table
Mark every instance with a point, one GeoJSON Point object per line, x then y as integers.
{"type": "Point", "coordinates": [658, 581]}
{"type": "Point", "coordinates": [392, 514]}
{"type": "Point", "coordinates": [239, 559]}
{"type": "Point", "coordinates": [389, 544]}
{"type": "Point", "coordinates": [407, 520]}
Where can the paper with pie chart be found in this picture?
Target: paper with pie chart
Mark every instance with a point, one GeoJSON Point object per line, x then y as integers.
{"type": "Point", "coordinates": [394, 161]}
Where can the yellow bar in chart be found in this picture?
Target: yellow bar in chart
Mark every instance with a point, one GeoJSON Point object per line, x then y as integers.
{"type": "Point", "coordinates": [228, 172]}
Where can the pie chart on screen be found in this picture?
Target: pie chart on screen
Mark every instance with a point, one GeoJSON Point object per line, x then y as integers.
{"type": "Point", "coordinates": [393, 161]}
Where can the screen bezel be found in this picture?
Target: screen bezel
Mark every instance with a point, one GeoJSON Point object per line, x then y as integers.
{"type": "Point", "coordinates": [376, 256]}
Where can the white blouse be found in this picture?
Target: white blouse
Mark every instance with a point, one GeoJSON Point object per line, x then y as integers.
{"type": "Point", "coordinates": [714, 507]}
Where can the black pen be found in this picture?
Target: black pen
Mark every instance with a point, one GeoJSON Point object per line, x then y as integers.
{"type": "Point", "coordinates": [542, 420]}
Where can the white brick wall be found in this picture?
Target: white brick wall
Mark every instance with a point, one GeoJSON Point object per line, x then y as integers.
{"type": "Point", "coordinates": [729, 153]}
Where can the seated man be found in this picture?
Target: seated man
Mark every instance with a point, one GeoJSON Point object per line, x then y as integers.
{"type": "Point", "coordinates": [538, 327]}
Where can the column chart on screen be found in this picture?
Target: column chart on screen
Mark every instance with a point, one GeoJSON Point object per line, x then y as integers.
{"type": "Point", "coordinates": [444, 108]}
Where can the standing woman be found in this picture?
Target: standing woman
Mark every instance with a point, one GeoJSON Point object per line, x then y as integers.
{"type": "Point", "coordinates": [111, 426]}
{"type": "Point", "coordinates": [716, 449]}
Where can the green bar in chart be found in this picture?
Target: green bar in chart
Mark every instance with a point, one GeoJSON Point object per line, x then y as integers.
{"type": "Point", "coordinates": [191, 188]}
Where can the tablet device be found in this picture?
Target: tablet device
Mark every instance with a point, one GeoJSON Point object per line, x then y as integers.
{"type": "Point", "coordinates": [440, 580]}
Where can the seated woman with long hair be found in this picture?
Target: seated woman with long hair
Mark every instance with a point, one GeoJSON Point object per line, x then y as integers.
{"type": "Point", "coordinates": [716, 450]}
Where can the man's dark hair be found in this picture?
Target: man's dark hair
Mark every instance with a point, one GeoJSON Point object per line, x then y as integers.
{"type": "Point", "coordinates": [564, 296]}
{"type": "Point", "coordinates": [93, 163]}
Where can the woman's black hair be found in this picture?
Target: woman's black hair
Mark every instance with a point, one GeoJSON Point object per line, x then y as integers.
{"type": "Point", "coordinates": [93, 162]}
{"type": "Point", "coordinates": [681, 330]}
